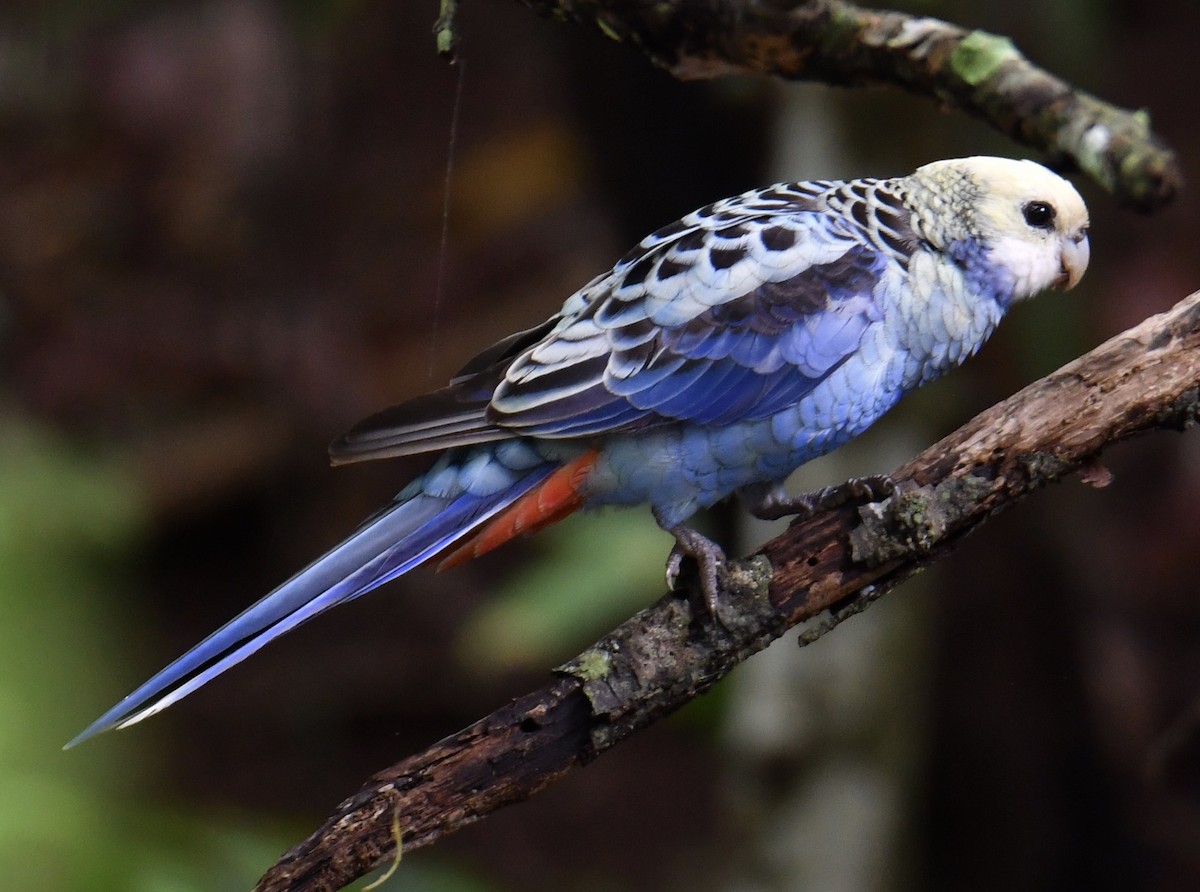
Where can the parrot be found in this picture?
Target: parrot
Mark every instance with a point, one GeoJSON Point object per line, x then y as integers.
{"type": "Point", "coordinates": [720, 354]}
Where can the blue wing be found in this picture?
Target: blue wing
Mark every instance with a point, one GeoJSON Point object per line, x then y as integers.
{"type": "Point", "coordinates": [724, 323]}
{"type": "Point", "coordinates": [732, 313]}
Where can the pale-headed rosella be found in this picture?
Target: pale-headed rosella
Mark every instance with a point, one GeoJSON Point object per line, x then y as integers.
{"type": "Point", "coordinates": [723, 352]}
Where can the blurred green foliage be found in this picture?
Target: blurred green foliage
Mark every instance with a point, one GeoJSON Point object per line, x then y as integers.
{"type": "Point", "coordinates": [597, 569]}
{"type": "Point", "coordinates": [83, 819]}
{"type": "Point", "coordinates": [97, 817]}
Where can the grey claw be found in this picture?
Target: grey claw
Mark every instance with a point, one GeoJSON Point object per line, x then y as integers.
{"type": "Point", "coordinates": [674, 563]}
{"type": "Point", "coordinates": [774, 504]}
{"type": "Point", "coordinates": [709, 560]}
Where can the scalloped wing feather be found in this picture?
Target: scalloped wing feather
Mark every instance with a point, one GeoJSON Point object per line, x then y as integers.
{"type": "Point", "coordinates": [731, 313]}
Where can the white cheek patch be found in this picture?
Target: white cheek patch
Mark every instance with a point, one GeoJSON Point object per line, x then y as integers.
{"type": "Point", "coordinates": [1033, 265]}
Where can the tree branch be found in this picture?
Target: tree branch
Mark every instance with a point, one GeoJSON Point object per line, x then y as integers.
{"type": "Point", "coordinates": [1147, 378]}
{"type": "Point", "coordinates": [839, 43]}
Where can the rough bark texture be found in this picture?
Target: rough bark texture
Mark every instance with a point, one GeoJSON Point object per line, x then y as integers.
{"type": "Point", "coordinates": [842, 44]}
{"type": "Point", "coordinates": [1147, 378]}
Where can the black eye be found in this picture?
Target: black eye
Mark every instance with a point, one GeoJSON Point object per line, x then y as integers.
{"type": "Point", "coordinates": [1039, 214]}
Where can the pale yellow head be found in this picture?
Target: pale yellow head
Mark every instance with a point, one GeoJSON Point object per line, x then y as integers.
{"type": "Point", "coordinates": [1031, 222]}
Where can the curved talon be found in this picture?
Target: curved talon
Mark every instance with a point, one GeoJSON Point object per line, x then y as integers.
{"type": "Point", "coordinates": [707, 554]}
{"type": "Point", "coordinates": [775, 503]}
{"type": "Point", "coordinates": [869, 489]}
{"type": "Point", "coordinates": [674, 563]}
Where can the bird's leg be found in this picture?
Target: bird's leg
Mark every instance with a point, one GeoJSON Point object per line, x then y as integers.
{"type": "Point", "coordinates": [773, 503]}
{"type": "Point", "coordinates": [708, 556]}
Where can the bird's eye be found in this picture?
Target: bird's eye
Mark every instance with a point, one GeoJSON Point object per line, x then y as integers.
{"type": "Point", "coordinates": [1039, 214]}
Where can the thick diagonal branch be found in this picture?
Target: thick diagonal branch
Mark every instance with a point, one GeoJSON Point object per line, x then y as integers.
{"type": "Point", "coordinates": [1147, 378]}
{"type": "Point", "coordinates": [843, 44]}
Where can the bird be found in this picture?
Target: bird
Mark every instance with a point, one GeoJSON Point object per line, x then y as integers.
{"type": "Point", "coordinates": [716, 357]}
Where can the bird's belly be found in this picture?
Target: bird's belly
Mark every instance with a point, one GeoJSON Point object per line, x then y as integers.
{"type": "Point", "coordinates": [683, 468]}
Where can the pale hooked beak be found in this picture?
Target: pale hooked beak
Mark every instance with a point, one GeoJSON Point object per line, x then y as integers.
{"type": "Point", "coordinates": [1074, 259]}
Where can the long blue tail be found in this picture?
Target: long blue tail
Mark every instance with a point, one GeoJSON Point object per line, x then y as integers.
{"type": "Point", "coordinates": [403, 536]}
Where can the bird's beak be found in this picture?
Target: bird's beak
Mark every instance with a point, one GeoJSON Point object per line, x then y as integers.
{"type": "Point", "coordinates": [1074, 259]}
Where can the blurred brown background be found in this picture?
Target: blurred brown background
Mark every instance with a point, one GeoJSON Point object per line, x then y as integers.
{"type": "Point", "coordinates": [221, 244]}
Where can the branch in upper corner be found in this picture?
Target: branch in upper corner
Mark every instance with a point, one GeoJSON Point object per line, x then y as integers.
{"type": "Point", "coordinates": [1147, 378]}
{"type": "Point", "coordinates": [445, 31]}
{"type": "Point", "coordinates": [839, 43]}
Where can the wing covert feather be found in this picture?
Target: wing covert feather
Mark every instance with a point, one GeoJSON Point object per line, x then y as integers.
{"type": "Point", "coordinates": [732, 313]}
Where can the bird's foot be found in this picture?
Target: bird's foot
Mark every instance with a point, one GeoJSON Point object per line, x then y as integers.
{"type": "Point", "coordinates": [775, 504]}
{"type": "Point", "coordinates": [709, 558]}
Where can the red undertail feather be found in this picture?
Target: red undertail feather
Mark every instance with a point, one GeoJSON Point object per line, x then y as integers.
{"type": "Point", "coordinates": [549, 503]}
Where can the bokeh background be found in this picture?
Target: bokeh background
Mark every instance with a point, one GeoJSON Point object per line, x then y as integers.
{"type": "Point", "coordinates": [226, 236]}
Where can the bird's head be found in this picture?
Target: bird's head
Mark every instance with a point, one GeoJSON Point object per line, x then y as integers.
{"type": "Point", "coordinates": [1030, 223]}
